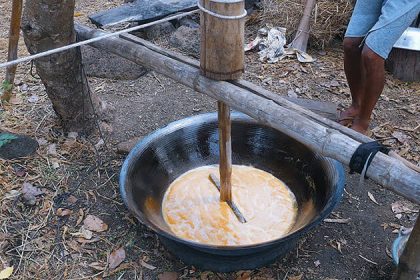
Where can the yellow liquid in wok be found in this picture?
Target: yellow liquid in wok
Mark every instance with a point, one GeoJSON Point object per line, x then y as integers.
{"type": "Point", "coordinates": [193, 210]}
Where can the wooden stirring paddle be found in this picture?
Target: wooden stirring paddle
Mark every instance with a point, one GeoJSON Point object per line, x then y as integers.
{"type": "Point", "coordinates": [225, 165]}
{"type": "Point", "coordinates": [231, 204]}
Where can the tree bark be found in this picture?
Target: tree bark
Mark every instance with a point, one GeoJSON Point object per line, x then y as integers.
{"type": "Point", "coordinates": [48, 24]}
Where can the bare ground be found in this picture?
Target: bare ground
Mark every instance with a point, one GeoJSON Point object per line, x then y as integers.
{"type": "Point", "coordinates": [74, 175]}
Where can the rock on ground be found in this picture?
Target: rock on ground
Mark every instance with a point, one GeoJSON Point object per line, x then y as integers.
{"type": "Point", "coordinates": [187, 40]}
{"type": "Point", "coordinates": [14, 146]}
{"type": "Point", "coordinates": [159, 30]}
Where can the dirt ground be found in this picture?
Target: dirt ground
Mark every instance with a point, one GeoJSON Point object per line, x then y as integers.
{"type": "Point", "coordinates": [79, 177]}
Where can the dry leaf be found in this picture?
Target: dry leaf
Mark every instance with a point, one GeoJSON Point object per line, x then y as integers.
{"type": "Point", "coordinates": [168, 276]}
{"type": "Point", "coordinates": [146, 265]}
{"type": "Point", "coordinates": [63, 212]}
{"type": "Point", "coordinates": [15, 100]}
{"type": "Point", "coordinates": [372, 198]}
{"type": "Point", "coordinates": [83, 232]}
{"type": "Point", "coordinates": [88, 241]}
{"type": "Point", "coordinates": [29, 193]}
{"type": "Point", "coordinates": [6, 273]}
{"type": "Point", "coordinates": [19, 171]}
{"type": "Point", "coordinates": [339, 247]}
{"type": "Point", "coordinates": [400, 136]}
{"type": "Point", "coordinates": [81, 215]}
{"type": "Point", "coordinates": [12, 194]}
{"type": "Point", "coordinates": [33, 98]}
{"type": "Point", "coordinates": [116, 258]}
{"type": "Point", "coordinates": [93, 223]}
{"type": "Point", "coordinates": [72, 199]}
{"type": "Point", "coordinates": [73, 245]}
{"type": "Point", "coordinates": [296, 277]}
{"type": "Point", "coordinates": [29, 189]}
{"type": "Point", "coordinates": [388, 252]}
{"type": "Point", "coordinates": [401, 206]}
{"type": "Point", "coordinates": [55, 164]}
{"type": "Point", "coordinates": [52, 149]}
{"type": "Point", "coordinates": [97, 265]}
{"type": "Point", "coordinates": [243, 275]}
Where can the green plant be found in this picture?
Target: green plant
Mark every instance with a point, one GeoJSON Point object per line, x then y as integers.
{"type": "Point", "coordinates": [6, 86]}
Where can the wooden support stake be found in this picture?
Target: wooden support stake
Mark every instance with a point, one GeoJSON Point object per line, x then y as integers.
{"type": "Point", "coordinates": [300, 41]}
{"type": "Point", "coordinates": [330, 142]}
{"type": "Point", "coordinates": [409, 262]}
{"type": "Point", "coordinates": [13, 46]}
{"type": "Point", "coordinates": [225, 165]}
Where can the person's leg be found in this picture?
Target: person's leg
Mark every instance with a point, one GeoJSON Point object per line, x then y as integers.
{"type": "Point", "coordinates": [374, 73]}
{"type": "Point", "coordinates": [364, 17]}
{"type": "Point", "coordinates": [353, 69]}
{"type": "Point", "coordinates": [378, 44]}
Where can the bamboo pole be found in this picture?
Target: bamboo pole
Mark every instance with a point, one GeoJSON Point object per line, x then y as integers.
{"type": "Point", "coordinates": [321, 115]}
{"type": "Point", "coordinates": [409, 262]}
{"type": "Point", "coordinates": [386, 171]}
{"type": "Point", "coordinates": [13, 47]}
{"type": "Point", "coordinates": [325, 109]}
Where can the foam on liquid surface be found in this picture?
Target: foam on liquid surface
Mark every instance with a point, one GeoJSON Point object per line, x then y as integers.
{"type": "Point", "coordinates": [193, 210]}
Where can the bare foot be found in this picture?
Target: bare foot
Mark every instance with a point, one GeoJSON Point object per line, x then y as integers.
{"type": "Point", "coordinates": [360, 125]}
{"type": "Point", "coordinates": [347, 116]}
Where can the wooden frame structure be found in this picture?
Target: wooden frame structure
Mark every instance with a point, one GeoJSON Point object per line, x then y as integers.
{"type": "Point", "coordinates": [319, 133]}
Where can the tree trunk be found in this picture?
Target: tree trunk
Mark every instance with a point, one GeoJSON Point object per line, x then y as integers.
{"type": "Point", "coordinates": [48, 24]}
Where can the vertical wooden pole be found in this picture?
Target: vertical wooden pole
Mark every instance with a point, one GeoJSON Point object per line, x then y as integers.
{"type": "Point", "coordinates": [13, 46]}
{"type": "Point", "coordinates": [222, 40]}
{"type": "Point", "coordinates": [222, 58]}
{"type": "Point", "coordinates": [225, 166]}
{"type": "Point", "coordinates": [409, 262]}
{"type": "Point", "coordinates": [300, 41]}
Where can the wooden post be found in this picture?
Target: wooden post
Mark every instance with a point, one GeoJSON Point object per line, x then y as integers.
{"type": "Point", "coordinates": [300, 41]}
{"type": "Point", "coordinates": [328, 141]}
{"type": "Point", "coordinates": [409, 262]}
{"type": "Point", "coordinates": [222, 38]}
{"type": "Point", "coordinates": [404, 64]}
{"type": "Point", "coordinates": [225, 165]}
{"type": "Point", "coordinates": [222, 58]}
{"type": "Point", "coordinates": [13, 46]}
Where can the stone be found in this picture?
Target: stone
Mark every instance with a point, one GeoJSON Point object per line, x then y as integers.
{"type": "Point", "coordinates": [188, 22]}
{"type": "Point", "coordinates": [187, 40]}
{"type": "Point", "coordinates": [126, 146]}
{"type": "Point", "coordinates": [14, 146]}
{"type": "Point", "coordinates": [101, 64]}
{"type": "Point", "coordinates": [159, 30]}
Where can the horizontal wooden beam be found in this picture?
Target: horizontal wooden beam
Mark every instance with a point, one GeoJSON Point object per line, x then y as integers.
{"type": "Point", "coordinates": [321, 108]}
{"type": "Point", "coordinates": [387, 171]}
